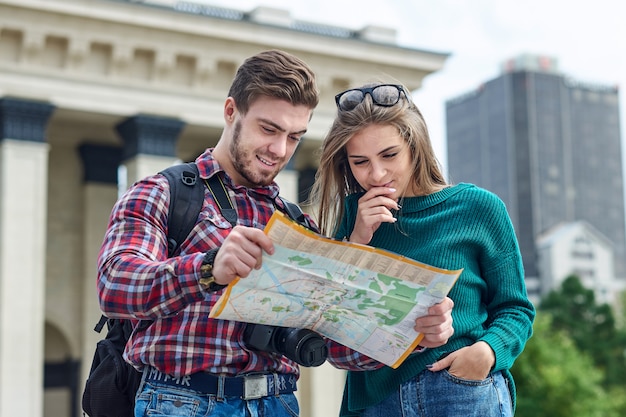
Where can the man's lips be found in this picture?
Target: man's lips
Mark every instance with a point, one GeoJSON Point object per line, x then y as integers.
{"type": "Point", "coordinates": [266, 162]}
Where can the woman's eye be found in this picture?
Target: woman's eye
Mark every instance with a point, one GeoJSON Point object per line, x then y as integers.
{"type": "Point", "coordinates": [390, 155]}
{"type": "Point", "coordinates": [359, 162]}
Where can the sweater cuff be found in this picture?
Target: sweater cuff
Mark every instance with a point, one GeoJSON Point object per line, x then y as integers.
{"type": "Point", "coordinates": [500, 351]}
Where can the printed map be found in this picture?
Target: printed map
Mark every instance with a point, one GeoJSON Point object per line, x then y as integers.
{"type": "Point", "coordinates": [362, 297]}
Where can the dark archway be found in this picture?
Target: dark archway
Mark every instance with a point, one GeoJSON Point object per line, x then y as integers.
{"type": "Point", "coordinates": [61, 376]}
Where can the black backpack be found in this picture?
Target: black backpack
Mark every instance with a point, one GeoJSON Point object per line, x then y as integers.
{"type": "Point", "coordinates": [112, 384]}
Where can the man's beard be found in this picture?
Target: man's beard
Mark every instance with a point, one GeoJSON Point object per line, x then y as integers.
{"type": "Point", "coordinates": [240, 158]}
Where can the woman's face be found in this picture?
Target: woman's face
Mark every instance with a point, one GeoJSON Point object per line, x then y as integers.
{"type": "Point", "coordinates": [379, 157]}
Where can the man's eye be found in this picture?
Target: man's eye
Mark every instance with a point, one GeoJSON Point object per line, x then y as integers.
{"type": "Point", "coordinates": [295, 138]}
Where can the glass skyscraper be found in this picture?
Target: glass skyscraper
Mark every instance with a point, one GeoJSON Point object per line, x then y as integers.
{"type": "Point", "coordinates": [549, 146]}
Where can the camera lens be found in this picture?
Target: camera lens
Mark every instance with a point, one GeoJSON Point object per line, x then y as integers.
{"type": "Point", "coordinates": [301, 345]}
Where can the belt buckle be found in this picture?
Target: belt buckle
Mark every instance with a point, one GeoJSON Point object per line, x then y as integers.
{"type": "Point", "coordinates": [254, 386]}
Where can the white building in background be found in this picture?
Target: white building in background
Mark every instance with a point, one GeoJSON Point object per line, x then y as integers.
{"type": "Point", "coordinates": [577, 248]}
{"type": "Point", "coordinates": [89, 86]}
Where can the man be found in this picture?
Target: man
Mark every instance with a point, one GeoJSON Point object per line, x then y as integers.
{"type": "Point", "coordinates": [193, 365]}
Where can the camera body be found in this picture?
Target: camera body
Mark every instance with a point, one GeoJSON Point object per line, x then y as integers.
{"type": "Point", "coordinates": [303, 346]}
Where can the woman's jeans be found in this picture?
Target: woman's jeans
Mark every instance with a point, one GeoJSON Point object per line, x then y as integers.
{"type": "Point", "coordinates": [439, 394]}
{"type": "Point", "coordinates": [158, 400]}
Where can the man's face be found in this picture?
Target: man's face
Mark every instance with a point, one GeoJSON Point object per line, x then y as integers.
{"type": "Point", "coordinates": [264, 139]}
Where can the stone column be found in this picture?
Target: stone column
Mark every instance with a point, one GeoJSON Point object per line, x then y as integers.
{"type": "Point", "coordinates": [321, 390]}
{"type": "Point", "coordinates": [100, 192]}
{"type": "Point", "coordinates": [149, 144]}
{"type": "Point", "coordinates": [23, 203]}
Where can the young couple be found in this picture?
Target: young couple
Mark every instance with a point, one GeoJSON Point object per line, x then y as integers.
{"type": "Point", "coordinates": [378, 183]}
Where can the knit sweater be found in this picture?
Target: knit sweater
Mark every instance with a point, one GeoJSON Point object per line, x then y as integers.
{"type": "Point", "coordinates": [461, 227]}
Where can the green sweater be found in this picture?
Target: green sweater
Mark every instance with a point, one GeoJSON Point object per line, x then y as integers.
{"type": "Point", "coordinates": [459, 227]}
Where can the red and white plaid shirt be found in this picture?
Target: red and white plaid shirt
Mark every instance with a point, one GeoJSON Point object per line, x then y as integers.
{"type": "Point", "coordinates": [137, 280]}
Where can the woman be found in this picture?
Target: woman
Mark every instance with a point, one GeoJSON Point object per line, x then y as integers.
{"type": "Point", "coordinates": [379, 183]}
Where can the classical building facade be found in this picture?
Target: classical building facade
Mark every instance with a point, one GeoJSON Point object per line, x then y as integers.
{"type": "Point", "coordinates": [89, 86]}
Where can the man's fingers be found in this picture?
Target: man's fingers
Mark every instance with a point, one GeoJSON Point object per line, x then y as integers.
{"type": "Point", "coordinates": [248, 238]}
{"type": "Point", "coordinates": [241, 252]}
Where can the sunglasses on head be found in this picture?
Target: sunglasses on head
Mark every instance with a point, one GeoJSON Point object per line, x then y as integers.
{"type": "Point", "coordinates": [385, 95]}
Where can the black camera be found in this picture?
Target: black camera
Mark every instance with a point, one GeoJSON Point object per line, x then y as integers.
{"type": "Point", "coordinates": [300, 345]}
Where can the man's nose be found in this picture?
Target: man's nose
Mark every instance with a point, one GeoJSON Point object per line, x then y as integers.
{"type": "Point", "coordinates": [279, 147]}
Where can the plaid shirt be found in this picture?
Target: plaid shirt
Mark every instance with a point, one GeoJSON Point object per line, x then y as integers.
{"type": "Point", "coordinates": [137, 280]}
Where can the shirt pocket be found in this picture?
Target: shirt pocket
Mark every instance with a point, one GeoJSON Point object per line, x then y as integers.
{"type": "Point", "coordinates": [211, 216]}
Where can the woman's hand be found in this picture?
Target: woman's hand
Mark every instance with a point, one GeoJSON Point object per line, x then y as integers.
{"type": "Point", "coordinates": [374, 208]}
{"type": "Point", "coordinates": [471, 362]}
{"type": "Point", "coordinates": [437, 325]}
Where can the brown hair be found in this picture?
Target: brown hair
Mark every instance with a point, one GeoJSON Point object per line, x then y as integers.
{"type": "Point", "coordinates": [334, 179]}
{"type": "Point", "coordinates": [276, 74]}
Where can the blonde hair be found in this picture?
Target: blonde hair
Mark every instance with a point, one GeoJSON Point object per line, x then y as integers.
{"type": "Point", "coordinates": [334, 179]}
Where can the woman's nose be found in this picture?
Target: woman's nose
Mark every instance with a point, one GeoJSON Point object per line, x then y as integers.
{"type": "Point", "coordinates": [377, 172]}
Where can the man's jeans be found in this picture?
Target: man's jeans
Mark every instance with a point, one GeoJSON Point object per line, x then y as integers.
{"type": "Point", "coordinates": [439, 394]}
{"type": "Point", "coordinates": [158, 400]}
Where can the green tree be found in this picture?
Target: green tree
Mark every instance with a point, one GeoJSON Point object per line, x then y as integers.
{"type": "Point", "coordinates": [555, 379]}
{"type": "Point", "coordinates": [592, 327]}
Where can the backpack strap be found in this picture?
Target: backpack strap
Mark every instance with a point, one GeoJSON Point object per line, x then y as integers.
{"type": "Point", "coordinates": [218, 190]}
{"type": "Point", "coordinates": [216, 186]}
{"type": "Point", "coordinates": [186, 199]}
{"type": "Point", "coordinates": [186, 202]}
{"type": "Point", "coordinates": [295, 212]}
{"type": "Point", "coordinates": [101, 323]}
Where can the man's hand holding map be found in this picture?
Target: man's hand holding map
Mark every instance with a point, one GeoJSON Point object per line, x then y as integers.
{"type": "Point", "coordinates": [362, 297]}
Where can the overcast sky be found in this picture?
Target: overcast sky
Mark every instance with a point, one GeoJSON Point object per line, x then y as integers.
{"type": "Point", "coordinates": [587, 38]}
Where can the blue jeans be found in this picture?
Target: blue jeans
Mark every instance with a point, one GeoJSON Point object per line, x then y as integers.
{"type": "Point", "coordinates": [158, 400]}
{"type": "Point", "coordinates": [440, 394]}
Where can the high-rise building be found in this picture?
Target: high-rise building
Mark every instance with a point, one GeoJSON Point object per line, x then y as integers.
{"type": "Point", "coordinates": [549, 146]}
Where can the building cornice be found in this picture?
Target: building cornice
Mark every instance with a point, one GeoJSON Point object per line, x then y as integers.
{"type": "Point", "coordinates": [122, 58]}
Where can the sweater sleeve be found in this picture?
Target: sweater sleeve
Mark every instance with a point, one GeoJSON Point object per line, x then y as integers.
{"type": "Point", "coordinates": [510, 312]}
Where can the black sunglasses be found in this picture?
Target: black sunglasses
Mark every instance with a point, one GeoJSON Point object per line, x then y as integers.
{"type": "Point", "coordinates": [385, 95]}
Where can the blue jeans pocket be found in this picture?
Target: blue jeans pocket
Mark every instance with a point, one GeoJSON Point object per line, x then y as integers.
{"type": "Point", "coordinates": [290, 404]}
{"type": "Point", "coordinates": [166, 401]}
{"type": "Point", "coordinates": [157, 400]}
{"type": "Point", "coordinates": [441, 394]}
{"type": "Point", "coordinates": [469, 382]}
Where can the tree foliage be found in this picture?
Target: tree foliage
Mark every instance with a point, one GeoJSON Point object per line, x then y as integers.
{"type": "Point", "coordinates": [592, 327]}
{"type": "Point", "coordinates": [575, 363]}
{"type": "Point", "coordinates": [555, 379]}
